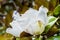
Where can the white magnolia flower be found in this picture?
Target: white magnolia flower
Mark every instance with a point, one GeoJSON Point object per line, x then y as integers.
{"type": "Point", "coordinates": [38, 20]}
{"type": "Point", "coordinates": [32, 21]}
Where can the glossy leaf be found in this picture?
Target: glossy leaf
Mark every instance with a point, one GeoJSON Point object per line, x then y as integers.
{"type": "Point", "coordinates": [52, 21]}
{"type": "Point", "coordinates": [57, 10]}
{"type": "Point", "coordinates": [54, 38]}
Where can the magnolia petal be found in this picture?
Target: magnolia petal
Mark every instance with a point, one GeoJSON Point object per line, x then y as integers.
{"type": "Point", "coordinates": [42, 16]}
{"type": "Point", "coordinates": [16, 16]}
{"type": "Point", "coordinates": [16, 30]}
{"type": "Point", "coordinates": [33, 27]}
{"type": "Point", "coordinates": [32, 18]}
{"type": "Point", "coordinates": [43, 9]}
{"type": "Point", "coordinates": [30, 13]}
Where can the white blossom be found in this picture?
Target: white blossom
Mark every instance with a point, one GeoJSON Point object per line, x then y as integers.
{"type": "Point", "coordinates": [32, 21]}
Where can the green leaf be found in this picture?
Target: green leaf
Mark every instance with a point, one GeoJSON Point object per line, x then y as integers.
{"type": "Point", "coordinates": [52, 19]}
{"type": "Point", "coordinates": [2, 30]}
{"type": "Point", "coordinates": [17, 38]}
{"type": "Point", "coordinates": [23, 38]}
{"type": "Point", "coordinates": [47, 28]}
{"type": "Point", "coordinates": [6, 37]}
{"type": "Point", "coordinates": [57, 10]}
{"type": "Point", "coordinates": [51, 22]}
{"type": "Point", "coordinates": [38, 38]}
{"type": "Point", "coordinates": [54, 38]}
